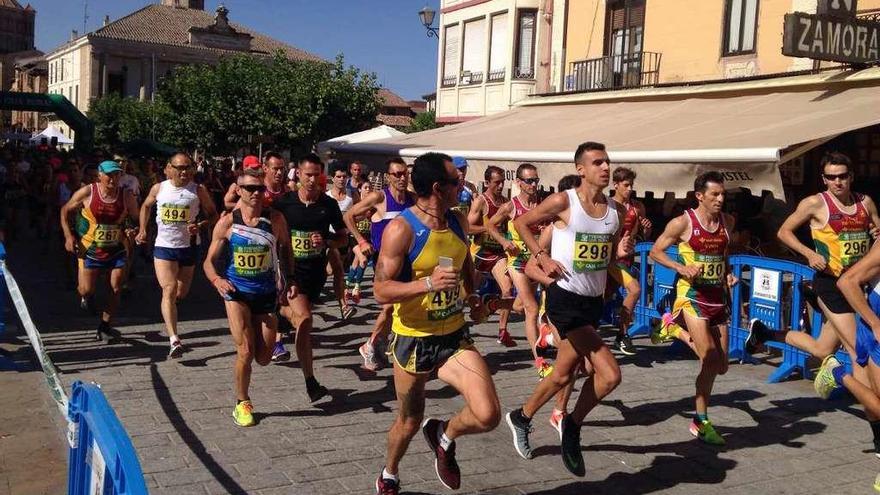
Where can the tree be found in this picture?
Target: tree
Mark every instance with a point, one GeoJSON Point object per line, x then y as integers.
{"type": "Point", "coordinates": [119, 120]}
{"type": "Point", "coordinates": [423, 122]}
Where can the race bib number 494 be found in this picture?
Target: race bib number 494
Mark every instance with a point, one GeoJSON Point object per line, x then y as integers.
{"type": "Point", "coordinates": [251, 260]}
{"type": "Point", "coordinates": [853, 247]}
{"type": "Point", "coordinates": [302, 244]}
{"type": "Point", "coordinates": [107, 235]}
{"type": "Point", "coordinates": [170, 213]}
{"type": "Point", "coordinates": [592, 252]}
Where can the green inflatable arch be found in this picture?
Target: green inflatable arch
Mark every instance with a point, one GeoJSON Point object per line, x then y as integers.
{"type": "Point", "coordinates": [60, 106]}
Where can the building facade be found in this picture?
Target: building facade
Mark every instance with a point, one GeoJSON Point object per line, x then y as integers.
{"type": "Point", "coordinates": [487, 55]}
{"type": "Point", "coordinates": [131, 55]}
{"type": "Point", "coordinates": [30, 77]}
{"type": "Point", "coordinates": [16, 27]}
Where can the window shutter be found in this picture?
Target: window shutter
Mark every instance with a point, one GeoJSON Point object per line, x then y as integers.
{"type": "Point", "coordinates": [498, 51]}
{"type": "Point", "coordinates": [525, 60]}
{"type": "Point", "coordinates": [450, 52]}
{"type": "Point", "coordinates": [474, 47]}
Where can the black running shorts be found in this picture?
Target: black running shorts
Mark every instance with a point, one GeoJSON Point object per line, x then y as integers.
{"type": "Point", "coordinates": [825, 287]}
{"type": "Point", "coordinates": [568, 311]}
{"type": "Point", "coordinates": [426, 354]}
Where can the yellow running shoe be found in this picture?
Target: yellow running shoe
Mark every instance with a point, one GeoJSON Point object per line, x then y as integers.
{"type": "Point", "coordinates": [824, 382]}
{"type": "Point", "coordinates": [243, 414]}
{"type": "Point", "coordinates": [877, 483]}
{"type": "Point", "coordinates": [544, 368]}
{"type": "Point", "coordinates": [662, 332]}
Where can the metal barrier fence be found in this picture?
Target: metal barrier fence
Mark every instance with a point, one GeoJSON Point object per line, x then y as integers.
{"type": "Point", "coordinates": [101, 458]}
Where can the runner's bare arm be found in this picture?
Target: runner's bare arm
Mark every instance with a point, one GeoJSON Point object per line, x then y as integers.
{"type": "Point", "coordinates": [282, 237]}
{"type": "Point", "coordinates": [729, 220]}
{"type": "Point", "coordinates": [645, 225]}
{"type": "Point", "coordinates": [467, 269]}
{"type": "Point", "coordinates": [146, 207]}
{"type": "Point", "coordinates": [673, 234]}
{"type": "Point", "coordinates": [475, 216]}
{"type": "Point", "coordinates": [622, 245]}
{"type": "Point", "coordinates": [875, 218]}
{"type": "Point", "coordinates": [532, 270]}
{"type": "Point", "coordinates": [547, 210]}
{"type": "Point", "coordinates": [76, 201]}
{"type": "Point", "coordinates": [206, 204]}
{"type": "Point", "coordinates": [340, 237]}
{"type": "Point", "coordinates": [806, 211]}
{"type": "Point", "coordinates": [215, 249]}
{"type": "Point", "coordinates": [360, 209]}
{"type": "Point", "coordinates": [131, 207]}
{"type": "Point", "coordinates": [852, 281]}
{"type": "Point", "coordinates": [230, 199]}
{"type": "Point", "coordinates": [502, 215]}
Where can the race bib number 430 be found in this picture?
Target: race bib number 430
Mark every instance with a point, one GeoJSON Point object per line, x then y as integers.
{"type": "Point", "coordinates": [170, 213]}
{"type": "Point", "coordinates": [251, 260]}
{"type": "Point", "coordinates": [592, 252]}
{"type": "Point", "coordinates": [714, 269]}
{"type": "Point", "coordinates": [302, 244]}
{"type": "Point", "coordinates": [107, 235]}
{"type": "Point", "coordinates": [853, 247]}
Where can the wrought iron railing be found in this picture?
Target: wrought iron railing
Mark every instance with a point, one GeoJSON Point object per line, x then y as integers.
{"type": "Point", "coordinates": [449, 81]}
{"type": "Point", "coordinates": [630, 70]}
{"type": "Point", "coordinates": [497, 75]}
{"type": "Point", "coordinates": [524, 73]}
{"type": "Point", "coordinates": [468, 77]}
{"type": "Point", "coordinates": [870, 15]}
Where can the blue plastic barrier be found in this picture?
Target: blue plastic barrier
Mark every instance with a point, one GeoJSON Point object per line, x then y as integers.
{"type": "Point", "coordinates": [102, 459]}
{"type": "Point", "coordinates": [660, 280]}
{"type": "Point", "coordinates": [767, 303]}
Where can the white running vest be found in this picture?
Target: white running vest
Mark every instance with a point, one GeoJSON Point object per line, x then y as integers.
{"type": "Point", "coordinates": [344, 205]}
{"type": "Point", "coordinates": [175, 208]}
{"type": "Point", "coordinates": [584, 248]}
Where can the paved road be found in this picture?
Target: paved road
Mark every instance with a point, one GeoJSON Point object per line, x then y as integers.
{"type": "Point", "coordinates": [781, 439]}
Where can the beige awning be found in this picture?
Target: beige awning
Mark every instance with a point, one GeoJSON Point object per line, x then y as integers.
{"type": "Point", "coordinates": [667, 135]}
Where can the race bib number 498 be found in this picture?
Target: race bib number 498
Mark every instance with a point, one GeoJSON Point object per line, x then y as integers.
{"type": "Point", "coordinates": [592, 252]}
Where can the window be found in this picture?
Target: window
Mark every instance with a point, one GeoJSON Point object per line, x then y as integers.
{"type": "Point", "coordinates": [76, 96]}
{"type": "Point", "coordinates": [524, 66]}
{"type": "Point", "coordinates": [498, 48]}
{"type": "Point", "coordinates": [740, 26]}
{"type": "Point", "coordinates": [474, 52]}
{"type": "Point", "coordinates": [450, 55]}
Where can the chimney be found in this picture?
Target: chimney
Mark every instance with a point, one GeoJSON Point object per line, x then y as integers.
{"type": "Point", "coordinates": [106, 19]}
{"type": "Point", "coordinates": [74, 34]}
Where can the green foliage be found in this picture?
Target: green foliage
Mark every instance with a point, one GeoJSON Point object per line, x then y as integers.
{"type": "Point", "coordinates": [423, 122]}
{"type": "Point", "coordinates": [222, 107]}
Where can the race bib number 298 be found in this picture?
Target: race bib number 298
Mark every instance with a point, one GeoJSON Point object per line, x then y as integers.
{"type": "Point", "coordinates": [592, 252]}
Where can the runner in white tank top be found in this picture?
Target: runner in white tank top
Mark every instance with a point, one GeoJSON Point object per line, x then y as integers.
{"type": "Point", "coordinates": [176, 208]}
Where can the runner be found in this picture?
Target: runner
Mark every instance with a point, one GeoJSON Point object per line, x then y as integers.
{"type": "Point", "coordinates": [273, 169]}
{"type": "Point", "coordinates": [178, 200]}
{"type": "Point", "coordinates": [468, 190]}
{"type": "Point", "coordinates": [387, 204]}
{"type": "Point", "coordinates": [359, 262]}
{"type": "Point", "coordinates": [355, 179]}
{"type": "Point", "coordinates": [425, 271]}
{"type": "Point", "coordinates": [489, 257]}
{"type": "Point", "coordinates": [518, 254]}
{"type": "Point", "coordinates": [337, 191]}
{"type": "Point", "coordinates": [582, 248]}
{"type": "Point", "coordinates": [258, 247]}
{"type": "Point", "coordinates": [623, 273]}
{"type": "Point", "coordinates": [701, 299]}
{"type": "Point", "coordinates": [105, 207]}
{"type": "Point", "coordinates": [841, 224]}
{"type": "Point", "coordinates": [309, 214]}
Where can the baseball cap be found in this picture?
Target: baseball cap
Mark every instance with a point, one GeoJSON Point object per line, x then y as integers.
{"type": "Point", "coordinates": [251, 161]}
{"type": "Point", "coordinates": [459, 162]}
{"type": "Point", "coordinates": [108, 167]}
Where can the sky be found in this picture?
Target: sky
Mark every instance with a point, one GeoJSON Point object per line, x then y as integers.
{"type": "Point", "coordinates": [381, 36]}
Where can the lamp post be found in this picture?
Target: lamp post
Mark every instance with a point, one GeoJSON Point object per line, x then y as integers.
{"type": "Point", "coordinates": [426, 15]}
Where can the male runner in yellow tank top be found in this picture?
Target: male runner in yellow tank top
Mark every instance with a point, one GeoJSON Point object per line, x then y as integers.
{"type": "Point", "coordinates": [424, 269]}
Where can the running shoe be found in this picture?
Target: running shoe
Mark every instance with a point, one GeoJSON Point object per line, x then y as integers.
{"type": "Point", "coordinates": [556, 420]}
{"type": "Point", "coordinates": [825, 383]}
{"type": "Point", "coordinates": [384, 486]}
{"type": "Point", "coordinates": [520, 433]}
{"type": "Point", "coordinates": [544, 368]}
{"type": "Point", "coordinates": [505, 339]}
{"type": "Point", "coordinates": [545, 335]}
{"type": "Point", "coordinates": [368, 352]}
{"type": "Point", "coordinates": [758, 334]}
{"type": "Point", "coordinates": [444, 459]}
{"type": "Point", "coordinates": [877, 483]}
{"type": "Point", "coordinates": [242, 414]}
{"type": "Point", "coordinates": [315, 390]}
{"type": "Point", "coordinates": [347, 312]}
{"type": "Point", "coordinates": [705, 432]}
{"type": "Point", "coordinates": [105, 330]}
{"type": "Point", "coordinates": [570, 444]}
{"type": "Point", "coordinates": [625, 345]}
{"type": "Point", "coordinates": [87, 304]}
{"type": "Point", "coordinates": [661, 333]}
{"type": "Point", "coordinates": [346, 296]}
{"type": "Point", "coordinates": [176, 350]}
{"type": "Point", "coordinates": [279, 353]}
{"type": "Point", "coordinates": [356, 294]}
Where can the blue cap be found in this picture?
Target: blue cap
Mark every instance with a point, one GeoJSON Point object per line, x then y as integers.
{"type": "Point", "coordinates": [108, 167]}
{"type": "Point", "coordinates": [459, 162]}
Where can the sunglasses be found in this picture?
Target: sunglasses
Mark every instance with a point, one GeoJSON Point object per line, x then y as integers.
{"type": "Point", "coordinates": [532, 181]}
{"type": "Point", "coordinates": [399, 175]}
{"type": "Point", "coordinates": [831, 177]}
{"type": "Point", "coordinates": [181, 168]}
{"type": "Point", "coordinates": [252, 188]}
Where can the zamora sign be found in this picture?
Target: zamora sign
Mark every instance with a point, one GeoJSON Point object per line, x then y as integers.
{"type": "Point", "coordinates": [828, 38]}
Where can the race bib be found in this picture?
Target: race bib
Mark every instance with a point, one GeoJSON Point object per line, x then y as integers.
{"type": "Point", "coordinates": [714, 269]}
{"type": "Point", "coordinates": [171, 213]}
{"type": "Point", "coordinates": [853, 247]}
{"type": "Point", "coordinates": [302, 245]}
{"type": "Point", "coordinates": [592, 252]}
{"type": "Point", "coordinates": [443, 304]}
{"type": "Point", "coordinates": [107, 235]}
{"type": "Point", "coordinates": [363, 226]}
{"type": "Point", "coordinates": [249, 261]}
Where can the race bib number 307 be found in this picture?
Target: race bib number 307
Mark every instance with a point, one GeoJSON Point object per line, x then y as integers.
{"type": "Point", "coordinates": [170, 213]}
{"type": "Point", "coordinates": [592, 252]}
{"type": "Point", "coordinates": [302, 245]}
{"type": "Point", "coordinates": [251, 260]}
{"type": "Point", "coordinates": [107, 235]}
{"type": "Point", "coordinates": [853, 247]}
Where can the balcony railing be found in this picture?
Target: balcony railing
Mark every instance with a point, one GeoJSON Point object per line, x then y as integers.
{"type": "Point", "coordinates": [496, 75]}
{"type": "Point", "coordinates": [468, 77]}
{"type": "Point", "coordinates": [631, 70]}
{"type": "Point", "coordinates": [523, 72]}
{"type": "Point", "coordinates": [449, 81]}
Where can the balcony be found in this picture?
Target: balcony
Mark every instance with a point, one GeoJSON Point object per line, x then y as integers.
{"type": "Point", "coordinates": [630, 70]}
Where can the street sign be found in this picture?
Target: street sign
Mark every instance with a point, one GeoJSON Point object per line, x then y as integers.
{"type": "Point", "coordinates": [823, 37]}
{"type": "Point", "coordinates": [844, 9]}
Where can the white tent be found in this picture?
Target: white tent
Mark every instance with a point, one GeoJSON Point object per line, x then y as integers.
{"type": "Point", "coordinates": [50, 132]}
{"type": "Point", "coordinates": [380, 132]}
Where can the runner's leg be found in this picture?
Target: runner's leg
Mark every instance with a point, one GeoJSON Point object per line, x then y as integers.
{"type": "Point", "coordinates": [243, 336]}
{"type": "Point", "coordinates": [167, 276]}
{"type": "Point", "coordinates": [499, 272]}
{"type": "Point", "coordinates": [410, 390]}
{"type": "Point", "coordinates": [526, 292]}
{"type": "Point", "coordinates": [468, 373]}
{"type": "Point", "coordinates": [116, 279]}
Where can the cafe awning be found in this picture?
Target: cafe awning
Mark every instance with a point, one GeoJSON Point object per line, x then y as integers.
{"type": "Point", "coordinates": [667, 134]}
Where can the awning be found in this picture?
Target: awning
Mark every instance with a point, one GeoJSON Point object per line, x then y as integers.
{"type": "Point", "coordinates": [378, 132]}
{"type": "Point", "coordinates": [738, 129]}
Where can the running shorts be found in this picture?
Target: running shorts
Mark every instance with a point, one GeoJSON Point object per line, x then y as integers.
{"type": "Point", "coordinates": [622, 273]}
{"type": "Point", "coordinates": [310, 277]}
{"type": "Point", "coordinates": [259, 304]}
{"type": "Point", "coordinates": [112, 263]}
{"type": "Point", "coordinates": [426, 354]}
{"type": "Point", "coordinates": [866, 343]}
{"type": "Point", "coordinates": [825, 287]}
{"type": "Point", "coordinates": [716, 314]}
{"type": "Point", "coordinates": [183, 256]}
{"type": "Point", "coordinates": [485, 260]}
{"type": "Point", "coordinates": [568, 311]}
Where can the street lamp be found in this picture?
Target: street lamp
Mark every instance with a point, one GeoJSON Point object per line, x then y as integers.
{"type": "Point", "coordinates": [426, 15]}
